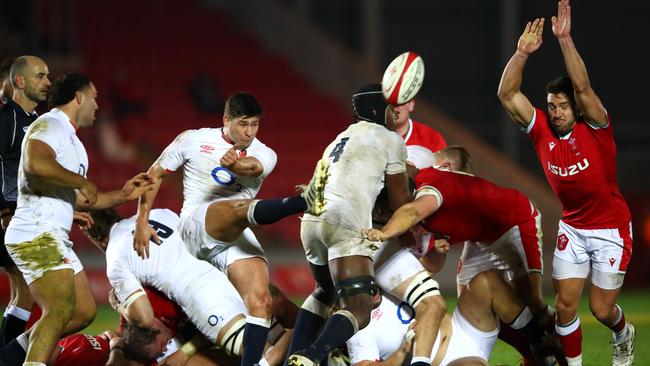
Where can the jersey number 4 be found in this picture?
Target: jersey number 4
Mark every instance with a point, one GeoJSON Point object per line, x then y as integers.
{"type": "Point", "coordinates": [338, 149]}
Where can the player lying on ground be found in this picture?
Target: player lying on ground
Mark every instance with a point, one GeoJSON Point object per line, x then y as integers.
{"type": "Point", "coordinates": [465, 338]}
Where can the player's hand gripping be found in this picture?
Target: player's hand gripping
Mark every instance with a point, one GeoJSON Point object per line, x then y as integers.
{"type": "Point", "coordinates": [229, 158]}
{"type": "Point", "coordinates": [373, 235]}
{"type": "Point", "coordinates": [562, 22]}
{"type": "Point", "coordinates": [136, 186]}
{"type": "Point", "coordinates": [531, 39]}
{"type": "Point", "coordinates": [177, 358]}
{"type": "Point", "coordinates": [89, 191]}
{"type": "Point", "coordinates": [142, 234]}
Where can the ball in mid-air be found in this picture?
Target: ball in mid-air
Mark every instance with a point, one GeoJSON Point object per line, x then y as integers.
{"type": "Point", "coordinates": [403, 78]}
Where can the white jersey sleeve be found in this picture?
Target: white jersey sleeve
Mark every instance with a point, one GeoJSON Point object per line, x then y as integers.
{"type": "Point", "coordinates": [123, 281]}
{"type": "Point", "coordinates": [265, 155]}
{"type": "Point", "coordinates": [396, 150]}
{"type": "Point", "coordinates": [42, 131]}
{"type": "Point", "coordinates": [174, 156]}
{"type": "Point", "coordinates": [420, 156]}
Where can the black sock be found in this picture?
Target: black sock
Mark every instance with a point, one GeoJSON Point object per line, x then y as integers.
{"type": "Point", "coordinates": [305, 330]}
{"type": "Point", "coordinates": [11, 328]}
{"type": "Point", "coordinates": [12, 354]}
{"type": "Point", "coordinates": [337, 331]}
{"type": "Point", "coordinates": [255, 336]}
{"type": "Point", "coordinates": [270, 211]}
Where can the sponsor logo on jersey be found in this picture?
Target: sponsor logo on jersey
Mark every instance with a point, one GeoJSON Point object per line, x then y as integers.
{"type": "Point", "coordinates": [207, 149]}
{"type": "Point", "coordinates": [551, 145]}
{"type": "Point", "coordinates": [377, 313]}
{"type": "Point", "coordinates": [612, 261]}
{"type": "Point", "coordinates": [93, 342]}
{"type": "Point", "coordinates": [570, 170]}
{"type": "Point", "coordinates": [562, 241]}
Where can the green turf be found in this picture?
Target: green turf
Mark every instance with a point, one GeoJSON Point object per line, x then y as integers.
{"type": "Point", "coordinates": [596, 348]}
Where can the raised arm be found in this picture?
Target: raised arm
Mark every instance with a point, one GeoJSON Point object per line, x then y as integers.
{"type": "Point", "coordinates": [514, 101]}
{"type": "Point", "coordinates": [587, 100]}
{"type": "Point", "coordinates": [244, 166]}
{"type": "Point", "coordinates": [143, 231]}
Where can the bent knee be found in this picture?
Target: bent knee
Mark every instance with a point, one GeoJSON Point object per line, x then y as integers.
{"type": "Point", "coordinates": [259, 303]}
{"type": "Point", "coordinates": [602, 311]}
{"type": "Point", "coordinates": [431, 305]}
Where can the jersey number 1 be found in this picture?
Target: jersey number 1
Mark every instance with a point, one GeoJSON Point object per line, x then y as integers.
{"type": "Point", "coordinates": [338, 149]}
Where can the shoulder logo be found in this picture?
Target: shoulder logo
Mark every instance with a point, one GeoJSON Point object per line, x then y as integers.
{"type": "Point", "coordinates": [207, 149]}
{"type": "Point", "coordinates": [551, 145]}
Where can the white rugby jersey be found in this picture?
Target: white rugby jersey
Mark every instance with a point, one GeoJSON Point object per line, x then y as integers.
{"type": "Point", "coordinates": [204, 179]}
{"type": "Point", "coordinates": [359, 158]}
{"type": "Point", "coordinates": [43, 207]}
{"type": "Point", "coordinates": [420, 156]}
{"type": "Point", "coordinates": [202, 291]}
{"type": "Point", "coordinates": [384, 334]}
{"type": "Point", "coordinates": [127, 272]}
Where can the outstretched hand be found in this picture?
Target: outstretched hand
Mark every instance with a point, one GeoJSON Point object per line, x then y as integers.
{"type": "Point", "coordinates": [531, 39]}
{"type": "Point", "coordinates": [136, 186]}
{"type": "Point", "coordinates": [562, 22]}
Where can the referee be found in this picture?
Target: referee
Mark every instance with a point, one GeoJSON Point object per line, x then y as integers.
{"type": "Point", "coordinates": [29, 79]}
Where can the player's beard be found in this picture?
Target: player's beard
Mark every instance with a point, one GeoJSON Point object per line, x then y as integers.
{"type": "Point", "coordinates": [36, 96]}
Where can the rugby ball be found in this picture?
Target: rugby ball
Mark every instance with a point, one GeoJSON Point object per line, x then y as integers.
{"type": "Point", "coordinates": [403, 78]}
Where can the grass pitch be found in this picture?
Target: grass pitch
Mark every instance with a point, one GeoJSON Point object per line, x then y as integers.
{"type": "Point", "coordinates": [597, 350]}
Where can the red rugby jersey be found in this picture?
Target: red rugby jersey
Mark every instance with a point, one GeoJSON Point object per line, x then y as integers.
{"type": "Point", "coordinates": [425, 136]}
{"type": "Point", "coordinates": [472, 208]}
{"type": "Point", "coordinates": [581, 169]}
{"type": "Point", "coordinates": [82, 349]}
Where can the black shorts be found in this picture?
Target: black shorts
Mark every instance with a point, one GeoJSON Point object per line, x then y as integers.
{"type": "Point", "coordinates": [5, 258]}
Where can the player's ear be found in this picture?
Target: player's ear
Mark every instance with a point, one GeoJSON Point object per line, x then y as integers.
{"type": "Point", "coordinates": [411, 104]}
{"type": "Point", "coordinates": [225, 121]}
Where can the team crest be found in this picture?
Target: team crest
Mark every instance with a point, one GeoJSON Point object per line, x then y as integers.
{"type": "Point", "coordinates": [562, 241]}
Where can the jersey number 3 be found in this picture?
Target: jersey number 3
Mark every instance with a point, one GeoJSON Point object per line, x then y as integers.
{"type": "Point", "coordinates": [338, 149]}
{"type": "Point", "coordinates": [163, 231]}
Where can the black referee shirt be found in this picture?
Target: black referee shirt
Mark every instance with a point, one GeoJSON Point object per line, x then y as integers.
{"type": "Point", "coordinates": [14, 122]}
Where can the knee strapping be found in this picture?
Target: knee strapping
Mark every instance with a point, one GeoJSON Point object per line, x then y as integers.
{"type": "Point", "coordinates": [232, 340]}
{"type": "Point", "coordinates": [357, 285]}
{"type": "Point", "coordinates": [421, 287]}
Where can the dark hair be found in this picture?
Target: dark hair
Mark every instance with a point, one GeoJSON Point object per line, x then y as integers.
{"type": "Point", "coordinates": [5, 68]}
{"type": "Point", "coordinates": [104, 220]}
{"type": "Point", "coordinates": [65, 88]}
{"type": "Point", "coordinates": [564, 85]}
{"type": "Point", "coordinates": [242, 105]}
{"type": "Point", "coordinates": [460, 156]}
{"type": "Point", "coordinates": [136, 338]}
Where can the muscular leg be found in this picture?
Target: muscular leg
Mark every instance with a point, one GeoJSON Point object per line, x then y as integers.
{"type": "Point", "coordinates": [55, 294]}
{"type": "Point", "coordinates": [250, 277]}
{"type": "Point", "coordinates": [226, 220]}
{"type": "Point", "coordinates": [314, 310]}
{"type": "Point", "coordinates": [602, 303]}
{"type": "Point", "coordinates": [568, 294]}
{"type": "Point", "coordinates": [355, 301]}
{"type": "Point", "coordinates": [428, 313]}
{"type": "Point", "coordinates": [85, 307]}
